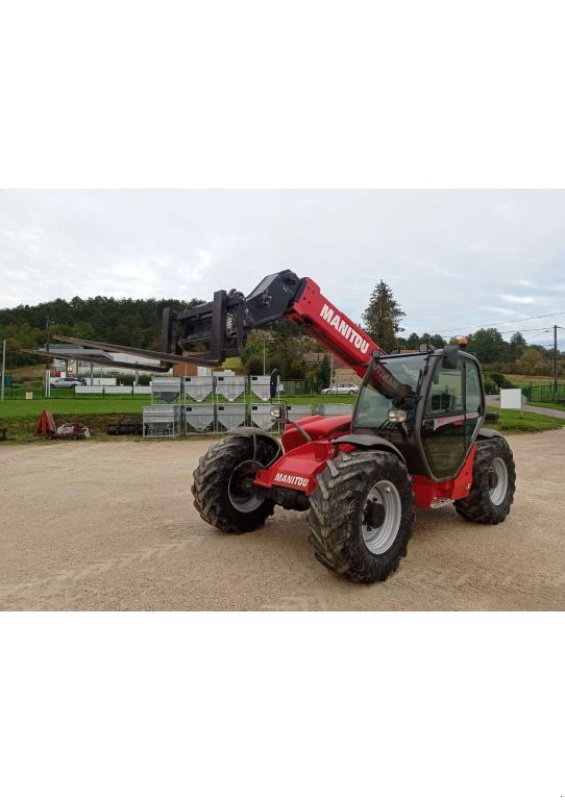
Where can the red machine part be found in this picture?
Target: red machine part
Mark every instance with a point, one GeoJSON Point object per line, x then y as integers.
{"type": "Point", "coordinates": [317, 427]}
{"type": "Point", "coordinates": [333, 329]}
{"type": "Point", "coordinates": [426, 490]}
{"type": "Point", "coordinates": [298, 468]}
{"type": "Point", "coordinates": [303, 461]}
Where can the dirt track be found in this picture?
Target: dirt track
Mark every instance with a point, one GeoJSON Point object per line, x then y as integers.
{"type": "Point", "coordinates": [91, 525]}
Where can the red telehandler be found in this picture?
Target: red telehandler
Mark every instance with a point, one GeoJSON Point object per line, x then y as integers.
{"type": "Point", "coordinates": [415, 438]}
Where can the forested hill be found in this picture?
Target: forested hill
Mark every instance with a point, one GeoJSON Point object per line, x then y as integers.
{"type": "Point", "coordinates": [137, 323]}
{"type": "Point", "coordinates": [130, 322]}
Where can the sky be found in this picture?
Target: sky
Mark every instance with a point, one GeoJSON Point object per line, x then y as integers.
{"type": "Point", "coordinates": [456, 260]}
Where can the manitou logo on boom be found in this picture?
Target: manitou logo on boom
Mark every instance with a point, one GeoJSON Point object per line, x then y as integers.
{"type": "Point", "coordinates": [292, 480]}
{"type": "Point", "coordinates": [349, 334]}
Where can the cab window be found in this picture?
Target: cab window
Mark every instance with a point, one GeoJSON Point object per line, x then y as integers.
{"type": "Point", "coordinates": [446, 392]}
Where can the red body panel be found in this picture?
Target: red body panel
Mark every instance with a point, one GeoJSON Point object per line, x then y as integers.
{"type": "Point", "coordinates": [317, 427]}
{"type": "Point", "coordinates": [298, 468]}
{"type": "Point", "coordinates": [325, 323]}
{"type": "Point", "coordinates": [329, 326]}
{"type": "Point", "coordinates": [303, 460]}
{"type": "Point", "coordinates": [426, 490]}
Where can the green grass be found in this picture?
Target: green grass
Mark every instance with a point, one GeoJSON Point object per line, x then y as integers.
{"type": "Point", "coordinates": [20, 416]}
{"type": "Point", "coordinates": [74, 405]}
{"type": "Point", "coordinates": [316, 399]}
{"type": "Point", "coordinates": [116, 404]}
{"type": "Point", "coordinates": [510, 421]}
{"type": "Point", "coordinates": [527, 380]}
{"type": "Point", "coordinates": [556, 406]}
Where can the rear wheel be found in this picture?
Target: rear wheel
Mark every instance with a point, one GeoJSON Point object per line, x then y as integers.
{"type": "Point", "coordinates": [222, 489]}
{"type": "Point", "coordinates": [494, 482]}
{"type": "Point", "coordinates": [361, 515]}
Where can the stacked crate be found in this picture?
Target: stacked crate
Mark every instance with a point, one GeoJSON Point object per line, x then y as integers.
{"type": "Point", "coordinates": [165, 416]}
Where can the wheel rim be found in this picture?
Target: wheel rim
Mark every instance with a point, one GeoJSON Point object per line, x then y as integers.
{"type": "Point", "coordinates": [381, 517]}
{"type": "Point", "coordinates": [240, 496]}
{"type": "Point", "coordinates": [497, 481]}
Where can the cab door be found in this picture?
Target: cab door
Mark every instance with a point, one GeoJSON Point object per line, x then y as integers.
{"type": "Point", "coordinates": [444, 434]}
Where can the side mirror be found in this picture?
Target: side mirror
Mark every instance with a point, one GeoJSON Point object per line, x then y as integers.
{"type": "Point", "coordinates": [274, 384]}
{"type": "Point", "coordinates": [450, 358]}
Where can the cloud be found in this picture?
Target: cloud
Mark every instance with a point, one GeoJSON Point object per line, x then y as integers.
{"type": "Point", "coordinates": [499, 311]}
{"type": "Point", "coordinates": [453, 259]}
{"type": "Point", "coordinates": [514, 298]}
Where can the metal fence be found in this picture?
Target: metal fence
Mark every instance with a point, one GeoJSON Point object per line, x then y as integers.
{"type": "Point", "coordinates": [545, 393]}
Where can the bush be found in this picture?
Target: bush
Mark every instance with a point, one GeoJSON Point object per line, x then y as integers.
{"type": "Point", "coordinates": [254, 365]}
{"type": "Point", "coordinates": [500, 380]}
{"type": "Point", "coordinates": [490, 387]}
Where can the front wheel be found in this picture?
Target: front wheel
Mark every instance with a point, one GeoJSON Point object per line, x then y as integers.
{"type": "Point", "coordinates": [494, 482]}
{"type": "Point", "coordinates": [223, 484]}
{"type": "Point", "coordinates": [361, 515]}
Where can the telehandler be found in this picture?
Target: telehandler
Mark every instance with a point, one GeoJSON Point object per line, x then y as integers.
{"type": "Point", "coordinates": [415, 438]}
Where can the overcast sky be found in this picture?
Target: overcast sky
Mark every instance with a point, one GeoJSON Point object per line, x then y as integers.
{"type": "Point", "coordinates": [456, 260]}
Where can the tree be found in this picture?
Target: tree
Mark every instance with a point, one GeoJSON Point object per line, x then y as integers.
{"type": "Point", "coordinates": [382, 316]}
{"type": "Point", "coordinates": [325, 372]}
{"type": "Point", "coordinates": [517, 346]}
{"type": "Point", "coordinates": [253, 347]}
{"type": "Point", "coordinates": [254, 364]}
{"type": "Point", "coordinates": [437, 341]}
{"type": "Point", "coordinates": [488, 345]}
{"type": "Point", "coordinates": [532, 362]}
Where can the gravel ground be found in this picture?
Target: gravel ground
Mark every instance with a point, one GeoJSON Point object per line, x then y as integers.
{"type": "Point", "coordinates": [111, 526]}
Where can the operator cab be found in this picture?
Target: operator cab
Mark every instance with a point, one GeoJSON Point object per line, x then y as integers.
{"type": "Point", "coordinates": [429, 405]}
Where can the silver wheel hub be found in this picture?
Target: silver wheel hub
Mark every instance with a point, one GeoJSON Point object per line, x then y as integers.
{"type": "Point", "coordinates": [497, 481]}
{"type": "Point", "coordinates": [240, 491]}
{"type": "Point", "coordinates": [381, 517]}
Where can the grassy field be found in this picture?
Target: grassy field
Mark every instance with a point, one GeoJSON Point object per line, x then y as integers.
{"type": "Point", "coordinates": [527, 380]}
{"type": "Point", "coordinates": [117, 404]}
{"type": "Point", "coordinates": [556, 406]}
{"type": "Point", "coordinates": [71, 405]}
{"type": "Point", "coordinates": [523, 422]}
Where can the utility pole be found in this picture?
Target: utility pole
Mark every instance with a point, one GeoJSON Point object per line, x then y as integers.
{"type": "Point", "coordinates": [48, 323]}
{"type": "Point", "coordinates": [555, 359]}
{"type": "Point", "coordinates": [3, 369]}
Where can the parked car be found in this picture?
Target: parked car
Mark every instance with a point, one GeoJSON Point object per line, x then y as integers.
{"type": "Point", "coordinates": [341, 388]}
{"type": "Point", "coordinates": [66, 383]}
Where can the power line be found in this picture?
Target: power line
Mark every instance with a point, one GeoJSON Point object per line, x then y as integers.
{"type": "Point", "coordinates": [527, 330]}
{"type": "Point", "coordinates": [501, 322]}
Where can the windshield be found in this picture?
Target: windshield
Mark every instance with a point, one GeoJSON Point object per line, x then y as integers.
{"type": "Point", "coordinates": [389, 383]}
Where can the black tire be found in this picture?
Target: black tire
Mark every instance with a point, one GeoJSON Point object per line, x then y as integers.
{"type": "Point", "coordinates": [339, 509]}
{"type": "Point", "coordinates": [494, 483]}
{"type": "Point", "coordinates": [218, 495]}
